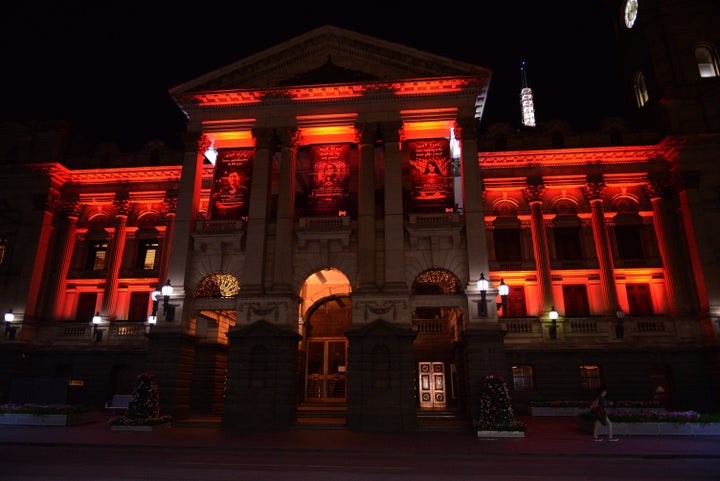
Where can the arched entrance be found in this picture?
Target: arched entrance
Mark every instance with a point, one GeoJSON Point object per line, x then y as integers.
{"type": "Point", "coordinates": [326, 314]}
{"type": "Point", "coordinates": [439, 322]}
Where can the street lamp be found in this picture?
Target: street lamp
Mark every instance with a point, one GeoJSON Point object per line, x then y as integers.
{"type": "Point", "coordinates": [503, 290]}
{"type": "Point", "coordinates": [482, 284]}
{"type": "Point", "coordinates": [167, 291]}
{"type": "Point", "coordinates": [151, 321]}
{"type": "Point", "coordinates": [553, 325]}
{"type": "Point", "coordinates": [620, 324]}
{"type": "Point", "coordinates": [155, 296]}
{"type": "Point", "coordinates": [97, 333]}
{"type": "Point", "coordinates": [9, 328]}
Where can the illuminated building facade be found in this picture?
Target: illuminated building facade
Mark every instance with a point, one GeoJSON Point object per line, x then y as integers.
{"type": "Point", "coordinates": [325, 230]}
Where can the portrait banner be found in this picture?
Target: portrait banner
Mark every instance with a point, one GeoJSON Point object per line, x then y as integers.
{"type": "Point", "coordinates": [331, 178]}
{"type": "Point", "coordinates": [231, 184]}
{"type": "Point", "coordinates": [431, 173]}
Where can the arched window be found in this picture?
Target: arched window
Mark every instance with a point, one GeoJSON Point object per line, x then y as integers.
{"type": "Point", "coordinates": [707, 61]}
{"type": "Point", "coordinates": [641, 91]}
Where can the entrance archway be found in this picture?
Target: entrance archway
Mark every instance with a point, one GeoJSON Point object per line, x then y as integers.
{"type": "Point", "coordinates": [326, 314]}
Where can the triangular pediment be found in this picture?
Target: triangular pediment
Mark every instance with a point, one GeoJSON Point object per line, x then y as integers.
{"type": "Point", "coordinates": [329, 55]}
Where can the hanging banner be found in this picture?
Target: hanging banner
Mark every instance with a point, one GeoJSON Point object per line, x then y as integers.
{"type": "Point", "coordinates": [231, 184]}
{"type": "Point", "coordinates": [331, 178]}
{"type": "Point", "coordinates": [431, 174]}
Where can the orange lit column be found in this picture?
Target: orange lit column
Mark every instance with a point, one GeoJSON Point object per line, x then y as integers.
{"type": "Point", "coordinates": [252, 274]}
{"type": "Point", "coordinates": [473, 207]}
{"type": "Point", "coordinates": [285, 213]}
{"type": "Point", "coordinates": [533, 195]}
{"type": "Point", "coordinates": [35, 277]}
{"type": "Point", "coordinates": [666, 232]}
{"type": "Point", "coordinates": [71, 212]}
{"type": "Point", "coordinates": [594, 194]}
{"type": "Point", "coordinates": [124, 207]}
{"type": "Point", "coordinates": [394, 228]}
{"type": "Point", "coordinates": [188, 206]}
{"type": "Point", "coordinates": [170, 202]}
{"type": "Point", "coordinates": [366, 207]}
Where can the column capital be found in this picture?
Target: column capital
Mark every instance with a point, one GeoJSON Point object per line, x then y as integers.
{"type": "Point", "coordinates": [392, 131]}
{"type": "Point", "coordinates": [593, 190]}
{"type": "Point", "coordinates": [122, 204]}
{"type": "Point", "coordinates": [655, 189]}
{"type": "Point", "coordinates": [193, 141]}
{"type": "Point", "coordinates": [533, 193]}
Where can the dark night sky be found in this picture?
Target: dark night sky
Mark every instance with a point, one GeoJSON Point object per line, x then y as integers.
{"type": "Point", "coordinates": [107, 66]}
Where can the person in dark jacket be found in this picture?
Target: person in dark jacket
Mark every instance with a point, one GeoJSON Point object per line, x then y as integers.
{"type": "Point", "coordinates": [600, 410]}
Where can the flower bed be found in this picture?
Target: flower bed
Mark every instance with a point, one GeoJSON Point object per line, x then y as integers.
{"type": "Point", "coordinates": [683, 423]}
{"type": "Point", "coordinates": [575, 408]}
{"type": "Point", "coordinates": [46, 415]}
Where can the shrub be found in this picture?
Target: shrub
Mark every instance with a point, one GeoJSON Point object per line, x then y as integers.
{"type": "Point", "coordinates": [44, 409]}
{"type": "Point", "coordinates": [144, 406]}
{"type": "Point", "coordinates": [496, 412]}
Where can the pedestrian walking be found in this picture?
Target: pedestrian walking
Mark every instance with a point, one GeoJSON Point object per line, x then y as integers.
{"type": "Point", "coordinates": [599, 410]}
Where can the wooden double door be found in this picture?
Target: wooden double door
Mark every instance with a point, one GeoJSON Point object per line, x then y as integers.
{"type": "Point", "coordinates": [326, 370]}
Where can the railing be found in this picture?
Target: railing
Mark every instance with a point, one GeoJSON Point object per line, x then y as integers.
{"type": "Point", "coordinates": [324, 222]}
{"type": "Point", "coordinates": [219, 226]}
{"type": "Point", "coordinates": [434, 219]}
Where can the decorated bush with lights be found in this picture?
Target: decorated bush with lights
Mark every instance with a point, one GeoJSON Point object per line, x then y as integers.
{"type": "Point", "coordinates": [144, 406]}
{"type": "Point", "coordinates": [496, 412]}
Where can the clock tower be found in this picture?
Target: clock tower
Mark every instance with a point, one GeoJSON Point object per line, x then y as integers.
{"type": "Point", "coordinates": [669, 63]}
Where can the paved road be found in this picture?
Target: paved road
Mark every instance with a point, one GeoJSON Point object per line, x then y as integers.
{"type": "Point", "coordinates": [553, 449]}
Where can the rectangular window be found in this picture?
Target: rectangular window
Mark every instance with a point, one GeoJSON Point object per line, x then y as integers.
{"type": "Point", "coordinates": [639, 299]}
{"type": "Point", "coordinates": [507, 245]}
{"type": "Point", "coordinates": [523, 378]}
{"type": "Point", "coordinates": [96, 256]}
{"type": "Point", "coordinates": [87, 303]}
{"type": "Point", "coordinates": [147, 253]}
{"type": "Point", "coordinates": [590, 377]}
{"type": "Point", "coordinates": [516, 302]}
{"type": "Point", "coordinates": [3, 249]}
{"type": "Point", "coordinates": [576, 300]}
{"type": "Point", "coordinates": [629, 241]}
{"type": "Point", "coordinates": [567, 243]}
{"type": "Point", "coordinates": [139, 306]}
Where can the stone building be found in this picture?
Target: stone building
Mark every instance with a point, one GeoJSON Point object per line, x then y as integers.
{"type": "Point", "coordinates": [328, 229]}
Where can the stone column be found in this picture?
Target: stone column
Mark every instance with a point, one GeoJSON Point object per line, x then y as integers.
{"type": "Point", "coordinates": [71, 212]}
{"type": "Point", "coordinates": [594, 194]}
{"type": "Point", "coordinates": [188, 206]}
{"type": "Point", "coordinates": [170, 202]}
{"type": "Point", "coordinates": [282, 270]}
{"type": "Point", "coordinates": [533, 196]}
{"type": "Point", "coordinates": [124, 207]}
{"type": "Point", "coordinates": [394, 217]}
{"type": "Point", "coordinates": [253, 273]}
{"type": "Point", "coordinates": [366, 208]}
{"type": "Point", "coordinates": [666, 231]}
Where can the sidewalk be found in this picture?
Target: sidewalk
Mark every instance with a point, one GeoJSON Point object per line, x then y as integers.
{"type": "Point", "coordinates": [544, 435]}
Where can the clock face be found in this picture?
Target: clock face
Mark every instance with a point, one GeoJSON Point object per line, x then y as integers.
{"type": "Point", "coordinates": [631, 11]}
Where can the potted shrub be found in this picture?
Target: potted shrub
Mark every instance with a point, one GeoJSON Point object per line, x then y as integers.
{"type": "Point", "coordinates": [497, 418]}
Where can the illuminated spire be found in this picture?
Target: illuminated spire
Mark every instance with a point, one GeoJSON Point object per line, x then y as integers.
{"type": "Point", "coordinates": [526, 100]}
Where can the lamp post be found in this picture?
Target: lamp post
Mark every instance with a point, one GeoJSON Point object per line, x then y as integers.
{"type": "Point", "coordinates": [167, 291]}
{"type": "Point", "coordinates": [553, 323]}
{"type": "Point", "coordinates": [503, 290]}
{"type": "Point", "coordinates": [9, 328]}
{"type": "Point", "coordinates": [151, 321]}
{"type": "Point", "coordinates": [97, 333]}
{"type": "Point", "coordinates": [482, 284]}
{"type": "Point", "coordinates": [620, 323]}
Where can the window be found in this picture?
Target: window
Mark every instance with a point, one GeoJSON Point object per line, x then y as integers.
{"type": "Point", "coordinates": [139, 303]}
{"type": "Point", "coordinates": [87, 302]}
{"type": "Point", "coordinates": [576, 300]}
{"type": "Point", "coordinates": [590, 377]}
{"type": "Point", "coordinates": [523, 378]}
{"type": "Point", "coordinates": [507, 245]}
{"type": "Point", "coordinates": [516, 302]}
{"type": "Point", "coordinates": [707, 61]}
{"type": "Point", "coordinates": [96, 256]}
{"type": "Point", "coordinates": [639, 299]}
{"type": "Point", "coordinates": [3, 249]}
{"type": "Point", "coordinates": [147, 253]}
{"type": "Point", "coordinates": [567, 243]}
{"type": "Point", "coordinates": [629, 241]}
{"type": "Point", "coordinates": [641, 91]}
